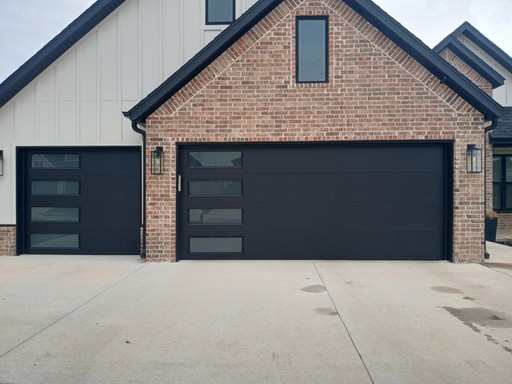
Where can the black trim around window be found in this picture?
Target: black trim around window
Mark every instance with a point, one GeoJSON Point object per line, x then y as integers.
{"type": "Point", "coordinates": [500, 184]}
{"type": "Point", "coordinates": [220, 21]}
{"type": "Point", "coordinates": [300, 55]}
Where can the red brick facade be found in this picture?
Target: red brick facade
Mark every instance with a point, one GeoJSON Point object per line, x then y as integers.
{"type": "Point", "coordinates": [7, 241]}
{"type": "Point", "coordinates": [467, 71]}
{"type": "Point", "coordinates": [485, 86]}
{"type": "Point", "coordinates": [376, 92]}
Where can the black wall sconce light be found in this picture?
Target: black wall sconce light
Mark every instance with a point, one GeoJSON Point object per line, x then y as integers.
{"type": "Point", "coordinates": [1, 162]}
{"type": "Point", "coordinates": [474, 159]}
{"type": "Point", "coordinates": [157, 161]}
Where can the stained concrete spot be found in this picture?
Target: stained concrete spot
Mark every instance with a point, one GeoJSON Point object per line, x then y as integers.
{"type": "Point", "coordinates": [314, 289]}
{"type": "Point", "coordinates": [446, 289]}
{"type": "Point", "coordinates": [326, 311]}
{"type": "Point", "coordinates": [468, 298]}
{"type": "Point", "coordinates": [480, 316]}
{"type": "Point", "coordinates": [491, 339]}
{"type": "Point", "coordinates": [509, 350]}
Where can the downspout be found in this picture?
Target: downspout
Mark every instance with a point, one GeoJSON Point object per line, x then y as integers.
{"type": "Point", "coordinates": [488, 129]}
{"type": "Point", "coordinates": [142, 132]}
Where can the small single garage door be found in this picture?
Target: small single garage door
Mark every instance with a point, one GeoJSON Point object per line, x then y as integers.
{"type": "Point", "coordinates": [358, 201]}
{"type": "Point", "coordinates": [80, 201]}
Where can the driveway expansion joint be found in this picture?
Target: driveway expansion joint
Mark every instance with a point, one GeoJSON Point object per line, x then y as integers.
{"type": "Point", "coordinates": [70, 312]}
{"type": "Point", "coordinates": [343, 323]}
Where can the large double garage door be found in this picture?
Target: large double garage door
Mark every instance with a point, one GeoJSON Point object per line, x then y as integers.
{"type": "Point", "coordinates": [361, 202]}
{"type": "Point", "coordinates": [79, 200]}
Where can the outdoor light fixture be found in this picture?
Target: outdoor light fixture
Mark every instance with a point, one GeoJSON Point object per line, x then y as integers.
{"type": "Point", "coordinates": [474, 159]}
{"type": "Point", "coordinates": [157, 161]}
{"type": "Point", "coordinates": [1, 162]}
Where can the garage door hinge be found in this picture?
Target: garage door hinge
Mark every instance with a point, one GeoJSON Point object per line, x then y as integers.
{"type": "Point", "coordinates": [179, 183]}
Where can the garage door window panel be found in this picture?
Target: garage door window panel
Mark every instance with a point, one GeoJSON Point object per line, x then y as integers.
{"type": "Point", "coordinates": [215, 216]}
{"type": "Point", "coordinates": [55, 161]}
{"type": "Point", "coordinates": [55, 241]}
{"type": "Point", "coordinates": [55, 188]}
{"type": "Point", "coordinates": [55, 214]}
{"type": "Point", "coordinates": [215, 245]}
{"type": "Point", "coordinates": [214, 160]}
{"type": "Point", "coordinates": [202, 188]}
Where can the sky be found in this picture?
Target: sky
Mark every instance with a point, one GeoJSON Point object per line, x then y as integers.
{"type": "Point", "coordinates": [27, 25]}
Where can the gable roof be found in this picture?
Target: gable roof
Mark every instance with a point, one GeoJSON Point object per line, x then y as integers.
{"type": "Point", "coordinates": [56, 48]}
{"type": "Point", "coordinates": [473, 34]}
{"type": "Point", "coordinates": [502, 134]}
{"type": "Point", "coordinates": [481, 67]}
{"type": "Point", "coordinates": [368, 10]}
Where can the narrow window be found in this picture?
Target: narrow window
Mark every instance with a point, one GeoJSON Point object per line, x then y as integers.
{"type": "Point", "coordinates": [312, 49]}
{"type": "Point", "coordinates": [220, 11]}
{"type": "Point", "coordinates": [502, 182]}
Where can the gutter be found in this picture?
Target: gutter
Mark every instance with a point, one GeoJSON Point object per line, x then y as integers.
{"type": "Point", "coordinates": [142, 132]}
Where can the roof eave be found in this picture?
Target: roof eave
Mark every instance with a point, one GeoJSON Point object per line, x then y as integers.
{"type": "Point", "coordinates": [370, 11]}
{"type": "Point", "coordinates": [485, 44]}
{"type": "Point", "coordinates": [465, 54]}
{"type": "Point", "coordinates": [200, 61]}
{"type": "Point", "coordinates": [428, 58]}
{"type": "Point", "coordinates": [52, 51]}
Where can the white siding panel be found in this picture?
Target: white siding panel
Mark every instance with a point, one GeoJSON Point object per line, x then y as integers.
{"type": "Point", "coordinates": [150, 46]}
{"type": "Point", "coordinates": [88, 68]}
{"type": "Point", "coordinates": [7, 181]}
{"type": "Point", "coordinates": [88, 122]}
{"type": "Point", "coordinates": [47, 119]}
{"type": "Point", "coordinates": [210, 34]}
{"type": "Point", "coordinates": [108, 60]}
{"type": "Point", "coordinates": [172, 37]}
{"type": "Point", "coordinates": [193, 19]}
{"type": "Point", "coordinates": [68, 123]}
{"type": "Point", "coordinates": [26, 121]}
{"type": "Point", "coordinates": [110, 122]}
{"type": "Point", "coordinates": [129, 52]}
{"type": "Point", "coordinates": [67, 77]}
{"type": "Point", "coordinates": [47, 86]}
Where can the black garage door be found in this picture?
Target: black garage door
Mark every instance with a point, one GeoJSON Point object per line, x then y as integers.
{"type": "Point", "coordinates": [80, 201]}
{"type": "Point", "coordinates": [361, 202]}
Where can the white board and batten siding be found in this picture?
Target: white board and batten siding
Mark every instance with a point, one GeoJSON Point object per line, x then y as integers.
{"type": "Point", "coordinates": [503, 94]}
{"type": "Point", "coordinates": [78, 100]}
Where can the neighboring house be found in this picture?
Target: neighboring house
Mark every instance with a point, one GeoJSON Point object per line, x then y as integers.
{"type": "Point", "coordinates": [489, 67]}
{"type": "Point", "coordinates": [66, 102]}
{"type": "Point", "coordinates": [305, 130]}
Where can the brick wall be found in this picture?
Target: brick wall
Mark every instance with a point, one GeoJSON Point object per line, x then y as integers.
{"type": "Point", "coordinates": [376, 92]}
{"type": "Point", "coordinates": [7, 241]}
{"type": "Point", "coordinates": [467, 71]}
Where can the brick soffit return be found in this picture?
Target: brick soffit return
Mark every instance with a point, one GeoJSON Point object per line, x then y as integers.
{"type": "Point", "coordinates": [368, 10]}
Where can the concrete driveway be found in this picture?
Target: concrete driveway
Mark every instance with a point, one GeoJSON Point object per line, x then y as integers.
{"type": "Point", "coordinates": [106, 319]}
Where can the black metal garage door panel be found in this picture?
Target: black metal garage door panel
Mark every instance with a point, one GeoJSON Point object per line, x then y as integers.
{"type": "Point", "coordinates": [104, 199]}
{"type": "Point", "coordinates": [327, 202]}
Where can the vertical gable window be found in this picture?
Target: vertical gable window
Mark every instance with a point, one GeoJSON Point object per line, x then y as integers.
{"type": "Point", "coordinates": [220, 11]}
{"type": "Point", "coordinates": [312, 49]}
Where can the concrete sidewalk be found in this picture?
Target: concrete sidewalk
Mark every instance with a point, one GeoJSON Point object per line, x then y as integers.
{"type": "Point", "coordinates": [106, 319]}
